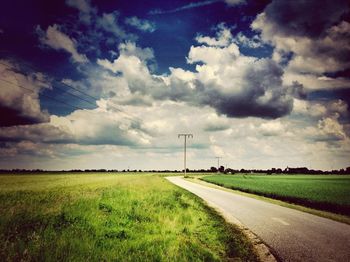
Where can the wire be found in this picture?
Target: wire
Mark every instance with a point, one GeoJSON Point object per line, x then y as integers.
{"type": "Point", "coordinates": [50, 97]}
{"type": "Point", "coordinates": [131, 117]}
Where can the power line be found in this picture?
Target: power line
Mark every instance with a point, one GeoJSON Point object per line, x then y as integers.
{"type": "Point", "coordinates": [49, 97]}
{"type": "Point", "coordinates": [131, 117]}
{"type": "Point", "coordinates": [44, 82]}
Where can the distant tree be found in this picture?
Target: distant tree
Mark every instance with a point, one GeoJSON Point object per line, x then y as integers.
{"type": "Point", "coordinates": [213, 169]}
{"type": "Point", "coordinates": [221, 169]}
{"type": "Point", "coordinates": [230, 171]}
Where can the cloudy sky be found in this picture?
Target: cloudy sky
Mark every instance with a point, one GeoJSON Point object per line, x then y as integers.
{"type": "Point", "coordinates": [110, 84]}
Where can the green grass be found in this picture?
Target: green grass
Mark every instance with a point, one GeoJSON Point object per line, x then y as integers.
{"type": "Point", "coordinates": [105, 217]}
{"type": "Point", "coordinates": [324, 192]}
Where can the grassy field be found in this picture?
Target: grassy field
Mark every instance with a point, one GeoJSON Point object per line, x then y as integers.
{"type": "Point", "coordinates": [104, 217]}
{"type": "Point", "coordinates": [324, 192]}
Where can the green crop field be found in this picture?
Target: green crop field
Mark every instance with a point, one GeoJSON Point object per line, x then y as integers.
{"type": "Point", "coordinates": [111, 217]}
{"type": "Point", "coordinates": [325, 192]}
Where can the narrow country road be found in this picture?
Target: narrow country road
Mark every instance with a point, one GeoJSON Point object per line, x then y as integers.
{"type": "Point", "coordinates": [293, 235]}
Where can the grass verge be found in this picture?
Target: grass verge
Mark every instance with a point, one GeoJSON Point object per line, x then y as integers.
{"type": "Point", "coordinates": [111, 217]}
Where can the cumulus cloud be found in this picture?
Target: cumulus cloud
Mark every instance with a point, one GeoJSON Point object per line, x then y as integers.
{"type": "Point", "coordinates": [253, 42]}
{"type": "Point", "coordinates": [130, 49]}
{"type": "Point", "coordinates": [57, 40]}
{"type": "Point", "coordinates": [237, 85]}
{"type": "Point", "coordinates": [311, 43]}
{"type": "Point", "coordinates": [233, 84]}
{"type": "Point", "coordinates": [134, 71]}
{"type": "Point", "coordinates": [141, 24]}
{"type": "Point", "coordinates": [245, 87]}
{"type": "Point", "coordinates": [19, 96]}
{"type": "Point", "coordinates": [223, 37]}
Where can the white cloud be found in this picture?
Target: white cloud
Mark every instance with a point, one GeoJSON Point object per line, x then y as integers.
{"type": "Point", "coordinates": [133, 69]}
{"type": "Point", "coordinates": [306, 108]}
{"type": "Point", "coordinates": [130, 49]}
{"type": "Point", "coordinates": [233, 84]}
{"type": "Point", "coordinates": [57, 40]}
{"type": "Point", "coordinates": [141, 24]}
{"type": "Point", "coordinates": [253, 42]}
{"type": "Point", "coordinates": [223, 37]}
{"type": "Point", "coordinates": [272, 128]}
{"type": "Point", "coordinates": [331, 128]}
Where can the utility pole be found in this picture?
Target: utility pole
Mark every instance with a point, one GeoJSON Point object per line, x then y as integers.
{"type": "Point", "coordinates": [185, 140]}
{"type": "Point", "coordinates": [218, 157]}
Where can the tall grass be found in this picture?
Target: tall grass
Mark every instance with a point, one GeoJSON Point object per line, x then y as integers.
{"type": "Point", "coordinates": [99, 217]}
{"type": "Point", "coordinates": [324, 192]}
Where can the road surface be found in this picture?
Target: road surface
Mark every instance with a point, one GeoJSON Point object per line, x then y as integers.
{"type": "Point", "coordinates": [293, 235]}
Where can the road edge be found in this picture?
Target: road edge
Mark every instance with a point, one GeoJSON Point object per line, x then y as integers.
{"type": "Point", "coordinates": [263, 251]}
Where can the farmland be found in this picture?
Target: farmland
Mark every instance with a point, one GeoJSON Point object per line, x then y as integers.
{"type": "Point", "coordinates": [104, 217]}
{"type": "Point", "coordinates": [324, 192]}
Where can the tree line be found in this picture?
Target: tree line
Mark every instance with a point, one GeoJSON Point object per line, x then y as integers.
{"type": "Point", "coordinates": [221, 169]}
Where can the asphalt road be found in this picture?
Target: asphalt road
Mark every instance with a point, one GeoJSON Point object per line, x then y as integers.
{"type": "Point", "coordinates": [293, 235]}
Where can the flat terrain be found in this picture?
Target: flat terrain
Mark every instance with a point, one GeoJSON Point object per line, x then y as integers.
{"type": "Point", "coordinates": [325, 192]}
{"type": "Point", "coordinates": [291, 234]}
{"type": "Point", "coordinates": [110, 217]}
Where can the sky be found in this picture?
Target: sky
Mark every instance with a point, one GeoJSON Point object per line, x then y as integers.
{"type": "Point", "coordinates": [90, 84]}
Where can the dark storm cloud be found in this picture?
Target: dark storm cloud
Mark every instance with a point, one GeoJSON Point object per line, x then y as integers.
{"type": "Point", "coordinates": [315, 33]}
{"type": "Point", "coordinates": [262, 96]}
{"type": "Point", "coordinates": [19, 97]}
{"type": "Point", "coordinates": [50, 134]}
{"type": "Point", "coordinates": [305, 17]}
{"type": "Point", "coordinates": [12, 117]}
{"type": "Point", "coordinates": [44, 133]}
